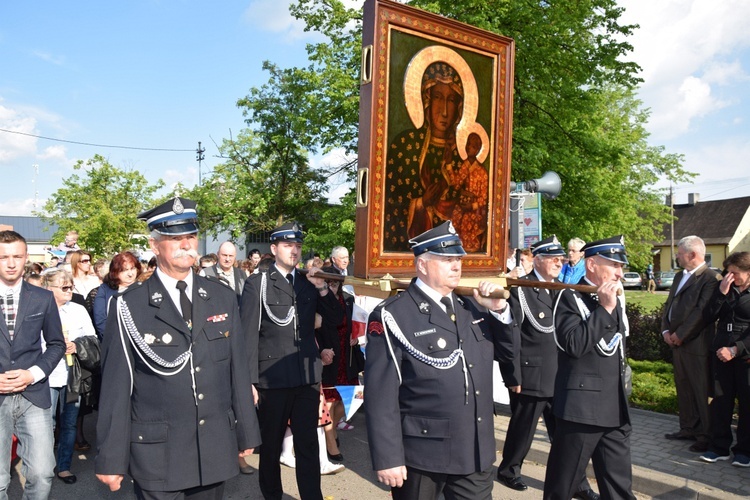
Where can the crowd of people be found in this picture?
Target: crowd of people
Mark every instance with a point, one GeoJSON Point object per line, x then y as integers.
{"type": "Point", "coordinates": [194, 361]}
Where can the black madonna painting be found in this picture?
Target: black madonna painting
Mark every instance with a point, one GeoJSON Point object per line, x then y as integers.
{"type": "Point", "coordinates": [434, 138]}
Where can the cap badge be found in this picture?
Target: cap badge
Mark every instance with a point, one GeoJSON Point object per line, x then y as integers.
{"type": "Point", "coordinates": [177, 206]}
{"type": "Point", "coordinates": [166, 338]}
{"type": "Point", "coordinates": [441, 343]}
{"type": "Point", "coordinates": [451, 229]}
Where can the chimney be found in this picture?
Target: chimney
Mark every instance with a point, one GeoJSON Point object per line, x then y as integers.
{"type": "Point", "coordinates": [693, 199]}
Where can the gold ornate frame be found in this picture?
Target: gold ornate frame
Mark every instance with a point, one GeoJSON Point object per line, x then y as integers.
{"type": "Point", "coordinates": [399, 43]}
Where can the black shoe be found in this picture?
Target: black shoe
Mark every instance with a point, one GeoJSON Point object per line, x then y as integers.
{"type": "Point", "coordinates": [681, 435]}
{"type": "Point", "coordinates": [587, 495]}
{"type": "Point", "coordinates": [699, 447]}
{"type": "Point", "coordinates": [514, 483]}
{"type": "Point", "coordinates": [335, 458]}
{"type": "Point", "coordinates": [67, 479]}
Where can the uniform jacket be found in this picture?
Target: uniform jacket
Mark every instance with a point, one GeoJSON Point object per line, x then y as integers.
{"type": "Point", "coordinates": [284, 356]}
{"type": "Point", "coordinates": [534, 363]}
{"type": "Point", "coordinates": [687, 307]}
{"type": "Point", "coordinates": [165, 435]}
{"type": "Point", "coordinates": [733, 314]}
{"type": "Point", "coordinates": [428, 421]}
{"type": "Point", "coordinates": [37, 317]}
{"type": "Point", "coordinates": [589, 387]}
{"type": "Point", "coordinates": [239, 277]}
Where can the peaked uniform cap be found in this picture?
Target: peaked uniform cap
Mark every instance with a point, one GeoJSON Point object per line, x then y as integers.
{"type": "Point", "coordinates": [176, 217]}
{"type": "Point", "coordinates": [441, 240]}
{"type": "Point", "coordinates": [290, 231]}
{"type": "Point", "coordinates": [610, 248]}
{"type": "Point", "coordinates": [548, 247]}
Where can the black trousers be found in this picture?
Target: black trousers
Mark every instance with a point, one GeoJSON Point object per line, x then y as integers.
{"type": "Point", "coordinates": [209, 492]}
{"type": "Point", "coordinates": [572, 448]}
{"type": "Point", "coordinates": [423, 485]}
{"type": "Point", "coordinates": [730, 383]}
{"type": "Point", "coordinates": [298, 407]}
{"type": "Point", "coordinates": [525, 413]}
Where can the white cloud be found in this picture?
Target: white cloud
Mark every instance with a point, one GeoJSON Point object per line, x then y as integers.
{"type": "Point", "coordinates": [50, 58]}
{"type": "Point", "coordinates": [273, 16]}
{"type": "Point", "coordinates": [686, 49]}
{"type": "Point", "coordinates": [188, 177]}
{"type": "Point", "coordinates": [20, 207]}
{"type": "Point", "coordinates": [57, 153]}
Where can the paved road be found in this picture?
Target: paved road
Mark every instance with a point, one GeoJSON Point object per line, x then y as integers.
{"type": "Point", "coordinates": [662, 469]}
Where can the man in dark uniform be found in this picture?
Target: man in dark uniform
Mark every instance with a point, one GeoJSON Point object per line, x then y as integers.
{"type": "Point", "coordinates": [530, 376]}
{"type": "Point", "coordinates": [176, 408]}
{"type": "Point", "coordinates": [590, 404]}
{"type": "Point", "coordinates": [429, 379]}
{"type": "Point", "coordinates": [278, 314]}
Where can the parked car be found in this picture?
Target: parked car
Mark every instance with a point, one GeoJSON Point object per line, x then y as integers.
{"type": "Point", "coordinates": [664, 280]}
{"type": "Point", "coordinates": [632, 280]}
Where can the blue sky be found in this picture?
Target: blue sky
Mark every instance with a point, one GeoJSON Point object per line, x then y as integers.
{"type": "Point", "coordinates": [167, 74]}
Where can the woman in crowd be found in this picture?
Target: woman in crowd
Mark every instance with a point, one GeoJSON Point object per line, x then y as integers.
{"type": "Point", "coordinates": [83, 280]}
{"type": "Point", "coordinates": [123, 272]}
{"type": "Point", "coordinates": [76, 323]}
{"type": "Point", "coordinates": [731, 306]}
{"type": "Point", "coordinates": [348, 361]}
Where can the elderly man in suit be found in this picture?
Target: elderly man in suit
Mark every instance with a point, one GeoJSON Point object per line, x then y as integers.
{"type": "Point", "coordinates": [428, 375]}
{"type": "Point", "coordinates": [176, 408]}
{"type": "Point", "coordinates": [278, 313]}
{"type": "Point", "coordinates": [29, 315]}
{"type": "Point", "coordinates": [530, 374]}
{"type": "Point", "coordinates": [684, 329]}
{"type": "Point", "coordinates": [591, 405]}
{"type": "Point", "coordinates": [225, 270]}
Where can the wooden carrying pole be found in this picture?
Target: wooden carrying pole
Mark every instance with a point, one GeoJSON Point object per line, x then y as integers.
{"type": "Point", "coordinates": [400, 284]}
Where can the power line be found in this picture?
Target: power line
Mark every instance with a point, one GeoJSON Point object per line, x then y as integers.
{"type": "Point", "coordinates": [95, 145]}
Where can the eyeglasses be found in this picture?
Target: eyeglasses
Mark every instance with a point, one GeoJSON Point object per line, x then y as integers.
{"type": "Point", "coordinates": [64, 288]}
{"type": "Point", "coordinates": [84, 261]}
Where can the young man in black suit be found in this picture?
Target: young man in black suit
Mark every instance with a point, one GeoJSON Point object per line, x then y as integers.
{"type": "Point", "coordinates": [29, 315]}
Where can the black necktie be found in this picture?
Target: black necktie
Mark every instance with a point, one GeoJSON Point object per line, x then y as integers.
{"type": "Point", "coordinates": [448, 303]}
{"type": "Point", "coordinates": [290, 279]}
{"type": "Point", "coordinates": [185, 304]}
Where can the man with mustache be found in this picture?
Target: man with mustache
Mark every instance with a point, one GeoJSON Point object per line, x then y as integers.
{"type": "Point", "coordinates": [176, 409]}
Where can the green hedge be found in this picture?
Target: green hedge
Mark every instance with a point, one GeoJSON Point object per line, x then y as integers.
{"type": "Point", "coordinates": [653, 386]}
{"type": "Point", "coordinates": [645, 342]}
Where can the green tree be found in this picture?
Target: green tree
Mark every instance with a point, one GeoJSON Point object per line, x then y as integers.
{"type": "Point", "coordinates": [256, 188]}
{"type": "Point", "coordinates": [574, 107]}
{"type": "Point", "coordinates": [101, 204]}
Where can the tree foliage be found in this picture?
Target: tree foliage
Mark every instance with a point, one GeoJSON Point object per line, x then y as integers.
{"type": "Point", "coordinates": [574, 107]}
{"type": "Point", "coordinates": [101, 204]}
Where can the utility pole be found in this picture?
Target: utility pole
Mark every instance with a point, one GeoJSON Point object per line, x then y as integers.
{"type": "Point", "coordinates": [671, 232]}
{"type": "Point", "coordinates": [199, 157]}
{"type": "Point", "coordinates": [36, 186]}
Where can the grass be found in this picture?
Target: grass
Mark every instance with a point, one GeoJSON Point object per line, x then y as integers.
{"type": "Point", "coordinates": [653, 386]}
{"type": "Point", "coordinates": [648, 301]}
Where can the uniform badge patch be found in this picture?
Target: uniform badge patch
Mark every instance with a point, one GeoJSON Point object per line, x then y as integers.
{"type": "Point", "coordinates": [166, 338]}
{"type": "Point", "coordinates": [375, 328]}
{"type": "Point", "coordinates": [441, 343]}
{"type": "Point", "coordinates": [425, 332]}
{"type": "Point", "coordinates": [424, 307]}
{"type": "Point", "coordinates": [203, 294]}
{"type": "Point", "coordinates": [177, 206]}
{"type": "Point", "coordinates": [217, 318]}
{"type": "Point", "coordinates": [156, 298]}
{"type": "Point", "coordinates": [149, 338]}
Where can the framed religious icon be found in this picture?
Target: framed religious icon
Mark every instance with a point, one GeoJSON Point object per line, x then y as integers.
{"type": "Point", "coordinates": [434, 138]}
